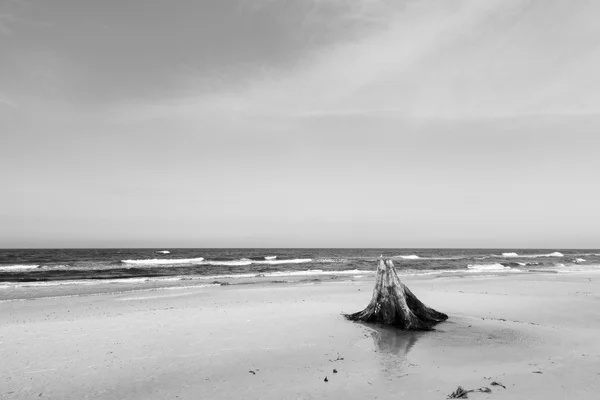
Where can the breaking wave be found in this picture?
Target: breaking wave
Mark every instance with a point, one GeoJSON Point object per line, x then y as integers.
{"type": "Point", "coordinates": [246, 261]}
{"type": "Point", "coordinates": [415, 257]}
{"type": "Point", "coordinates": [199, 278]}
{"type": "Point", "coordinates": [487, 267]}
{"type": "Point", "coordinates": [164, 252]}
{"type": "Point", "coordinates": [519, 264]}
{"type": "Point", "coordinates": [291, 273]}
{"type": "Point", "coordinates": [411, 257]}
{"type": "Point", "coordinates": [202, 261]}
{"type": "Point", "coordinates": [18, 267]}
{"type": "Point", "coordinates": [164, 261]}
{"type": "Point", "coordinates": [270, 257]}
{"type": "Point", "coordinates": [562, 268]}
{"type": "Point", "coordinates": [555, 254]}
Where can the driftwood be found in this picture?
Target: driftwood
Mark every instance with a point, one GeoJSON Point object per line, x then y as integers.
{"type": "Point", "coordinates": [394, 304]}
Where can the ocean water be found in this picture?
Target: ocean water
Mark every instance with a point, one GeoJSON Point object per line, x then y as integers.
{"type": "Point", "coordinates": [89, 266]}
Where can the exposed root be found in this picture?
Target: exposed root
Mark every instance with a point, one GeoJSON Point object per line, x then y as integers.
{"type": "Point", "coordinates": [394, 304]}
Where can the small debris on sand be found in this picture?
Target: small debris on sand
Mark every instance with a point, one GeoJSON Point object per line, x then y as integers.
{"type": "Point", "coordinates": [335, 371]}
{"type": "Point", "coordinates": [325, 380]}
{"type": "Point", "coordinates": [252, 372]}
{"type": "Point", "coordinates": [497, 384]}
{"type": "Point", "coordinates": [537, 372]}
{"type": "Point", "coordinates": [461, 393]}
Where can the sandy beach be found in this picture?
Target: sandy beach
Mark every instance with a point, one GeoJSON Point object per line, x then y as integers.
{"type": "Point", "coordinates": [536, 334]}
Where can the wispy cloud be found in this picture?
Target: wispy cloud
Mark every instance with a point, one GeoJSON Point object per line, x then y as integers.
{"type": "Point", "coordinates": [429, 59]}
{"type": "Point", "coordinates": [6, 101]}
{"type": "Point", "coordinates": [340, 77]}
{"type": "Point", "coordinates": [13, 13]}
{"type": "Point", "coordinates": [6, 20]}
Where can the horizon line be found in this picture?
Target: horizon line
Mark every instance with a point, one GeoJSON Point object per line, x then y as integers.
{"type": "Point", "coordinates": [300, 248]}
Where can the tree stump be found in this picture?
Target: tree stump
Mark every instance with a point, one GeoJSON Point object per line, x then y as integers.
{"type": "Point", "coordinates": [394, 304]}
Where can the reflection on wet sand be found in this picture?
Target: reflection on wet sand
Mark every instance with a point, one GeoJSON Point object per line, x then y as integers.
{"type": "Point", "coordinates": [393, 340]}
{"type": "Point", "coordinates": [393, 346]}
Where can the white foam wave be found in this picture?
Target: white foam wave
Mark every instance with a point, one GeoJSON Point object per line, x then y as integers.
{"type": "Point", "coordinates": [246, 261]}
{"type": "Point", "coordinates": [293, 261]}
{"type": "Point", "coordinates": [308, 272]}
{"type": "Point", "coordinates": [201, 261]}
{"type": "Point", "coordinates": [487, 267]}
{"type": "Point", "coordinates": [579, 260]}
{"type": "Point", "coordinates": [54, 283]}
{"type": "Point", "coordinates": [555, 254]}
{"type": "Point", "coordinates": [124, 281]}
{"type": "Point", "coordinates": [18, 267]}
{"type": "Point", "coordinates": [270, 257]}
{"type": "Point", "coordinates": [164, 252]}
{"type": "Point", "coordinates": [445, 272]}
{"type": "Point", "coordinates": [410, 257]}
{"type": "Point", "coordinates": [415, 257]}
{"type": "Point", "coordinates": [90, 282]}
{"type": "Point", "coordinates": [232, 263]}
{"type": "Point", "coordinates": [521, 264]}
{"type": "Point", "coordinates": [202, 278]}
{"type": "Point", "coordinates": [165, 261]}
{"type": "Point", "coordinates": [562, 268]}
{"type": "Point", "coordinates": [320, 272]}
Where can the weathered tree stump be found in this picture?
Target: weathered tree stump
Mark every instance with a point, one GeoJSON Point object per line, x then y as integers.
{"type": "Point", "coordinates": [394, 304]}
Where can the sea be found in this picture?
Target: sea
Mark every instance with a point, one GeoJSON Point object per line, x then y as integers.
{"type": "Point", "coordinates": [43, 267]}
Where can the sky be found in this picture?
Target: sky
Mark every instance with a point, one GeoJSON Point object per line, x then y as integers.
{"type": "Point", "coordinates": [300, 123]}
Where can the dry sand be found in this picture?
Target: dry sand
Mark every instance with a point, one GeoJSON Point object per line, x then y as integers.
{"type": "Point", "coordinates": [535, 333]}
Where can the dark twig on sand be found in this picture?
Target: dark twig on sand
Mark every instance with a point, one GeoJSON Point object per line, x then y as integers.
{"type": "Point", "coordinates": [497, 384]}
{"type": "Point", "coordinates": [461, 393]}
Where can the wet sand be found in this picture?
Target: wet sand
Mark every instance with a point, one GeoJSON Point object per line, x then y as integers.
{"type": "Point", "coordinates": [537, 334]}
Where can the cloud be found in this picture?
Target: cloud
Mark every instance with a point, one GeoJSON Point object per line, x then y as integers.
{"type": "Point", "coordinates": [5, 101]}
{"type": "Point", "coordinates": [9, 11]}
{"type": "Point", "coordinates": [6, 20]}
{"type": "Point", "coordinates": [426, 59]}
{"type": "Point", "coordinates": [329, 79]}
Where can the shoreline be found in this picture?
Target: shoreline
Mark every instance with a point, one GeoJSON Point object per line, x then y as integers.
{"type": "Point", "coordinates": [17, 291]}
